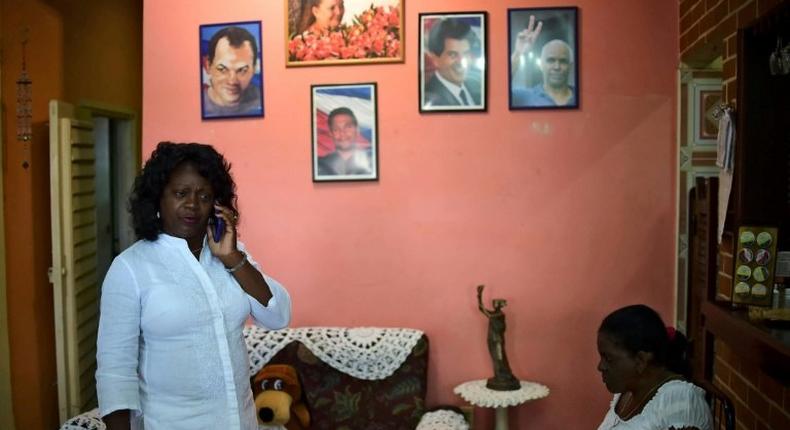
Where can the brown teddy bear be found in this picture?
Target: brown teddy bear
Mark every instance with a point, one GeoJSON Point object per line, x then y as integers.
{"type": "Point", "coordinates": [278, 398]}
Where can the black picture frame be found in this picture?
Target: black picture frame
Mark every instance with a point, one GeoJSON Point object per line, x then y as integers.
{"type": "Point", "coordinates": [354, 110]}
{"type": "Point", "coordinates": [240, 84]}
{"type": "Point", "coordinates": [446, 84]}
{"type": "Point", "coordinates": [542, 73]}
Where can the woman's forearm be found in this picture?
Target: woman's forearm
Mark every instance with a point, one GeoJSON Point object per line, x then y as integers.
{"type": "Point", "coordinates": [250, 279]}
{"type": "Point", "coordinates": [118, 420]}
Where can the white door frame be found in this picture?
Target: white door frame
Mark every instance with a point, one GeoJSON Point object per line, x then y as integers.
{"type": "Point", "coordinates": [131, 155]}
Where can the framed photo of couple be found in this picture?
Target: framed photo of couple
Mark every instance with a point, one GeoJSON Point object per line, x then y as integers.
{"type": "Point", "coordinates": [344, 124]}
{"type": "Point", "coordinates": [327, 32]}
{"type": "Point", "coordinates": [231, 77]}
{"type": "Point", "coordinates": [453, 74]}
{"type": "Point", "coordinates": [543, 70]}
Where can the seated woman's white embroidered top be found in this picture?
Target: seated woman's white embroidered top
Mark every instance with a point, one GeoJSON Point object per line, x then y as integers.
{"type": "Point", "coordinates": [676, 404]}
{"type": "Point", "coordinates": [170, 345]}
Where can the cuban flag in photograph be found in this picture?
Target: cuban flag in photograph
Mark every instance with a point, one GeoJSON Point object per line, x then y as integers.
{"type": "Point", "coordinates": [358, 98]}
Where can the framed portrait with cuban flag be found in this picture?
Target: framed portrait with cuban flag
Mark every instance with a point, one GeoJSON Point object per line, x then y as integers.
{"type": "Point", "coordinates": [344, 125]}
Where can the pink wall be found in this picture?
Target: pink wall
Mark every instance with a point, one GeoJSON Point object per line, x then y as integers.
{"type": "Point", "coordinates": [566, 214]}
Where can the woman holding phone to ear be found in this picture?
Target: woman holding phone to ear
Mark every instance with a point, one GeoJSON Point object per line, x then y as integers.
{"type": "Point", "coordinates": [170, 349]}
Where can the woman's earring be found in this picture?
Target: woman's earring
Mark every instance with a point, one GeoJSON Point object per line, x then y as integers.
{"type": "Point", "coordinates": [157, 214]}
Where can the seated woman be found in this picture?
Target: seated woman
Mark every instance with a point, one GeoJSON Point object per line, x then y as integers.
{"type": "Point", "coordinates": [642, 363]}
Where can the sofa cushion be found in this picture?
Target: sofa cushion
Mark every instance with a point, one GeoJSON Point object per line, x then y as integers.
{"type": "Point", "coordinates": [337, 400]}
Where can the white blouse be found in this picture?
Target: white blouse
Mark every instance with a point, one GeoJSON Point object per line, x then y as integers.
{"type": "Point", "coordinates": [676, 404]}
{"type": "Point", "coordinates": [170, 345]}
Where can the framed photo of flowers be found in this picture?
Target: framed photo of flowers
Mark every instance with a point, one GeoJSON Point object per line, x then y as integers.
{"type": "Point", "coordinates": [327, 32]}
{"type": "Point", "coordinates": [231, 77]}
{"type": "Point", "coordinates": [453, 74]}
{"type": "Point", "coordinates": [344, 126]}
{"type": "Point", "coordinates": [543, 57]}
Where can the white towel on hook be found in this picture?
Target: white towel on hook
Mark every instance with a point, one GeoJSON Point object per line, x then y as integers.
{"type": "Point", "coordinates": [725, 141]}
{"type": "Point", "coordinates": [725, 159]}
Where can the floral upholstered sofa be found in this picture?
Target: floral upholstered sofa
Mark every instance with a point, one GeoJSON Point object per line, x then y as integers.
{"type": "Point", "coordinates": [353, 378]}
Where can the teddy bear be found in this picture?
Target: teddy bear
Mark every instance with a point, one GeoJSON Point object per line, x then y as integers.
{"type": "Point", "coordinates": [278, 398]}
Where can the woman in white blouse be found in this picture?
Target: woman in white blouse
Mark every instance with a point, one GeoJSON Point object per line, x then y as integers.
{"type": "Point", "coordinates": [170, 349]}
{"type": "Point", "coordinates": [642, 363]}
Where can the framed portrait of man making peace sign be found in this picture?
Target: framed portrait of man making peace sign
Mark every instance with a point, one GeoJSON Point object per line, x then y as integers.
{"type": "Point", "coordinates": [543, 58]}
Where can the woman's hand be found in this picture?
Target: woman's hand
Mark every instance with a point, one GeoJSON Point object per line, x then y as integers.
{"type": "Point", "coordinates": [248, 277]}
{"type": "Point", "coordinates": [225, 249]}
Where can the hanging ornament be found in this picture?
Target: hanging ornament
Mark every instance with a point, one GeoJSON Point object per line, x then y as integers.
{"type": "Point", "coordinates": [24, 99]}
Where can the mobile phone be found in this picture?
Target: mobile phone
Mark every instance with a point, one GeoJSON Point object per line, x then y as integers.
{"type": "Point", "coordinates": [219, 228]}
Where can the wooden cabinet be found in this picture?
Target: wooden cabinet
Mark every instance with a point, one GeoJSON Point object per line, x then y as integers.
{"type": "Point", "coordinates": [761, 186]}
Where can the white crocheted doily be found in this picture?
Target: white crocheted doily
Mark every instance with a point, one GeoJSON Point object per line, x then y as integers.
{"type": "Point", "coordinates": [368, 353]}
{"type": "Point", "coordinates": [442, 420]}
{"type": "Point", "coordinates": [85, 421]}
{"type": "Point", "coordinates": [476, 393]}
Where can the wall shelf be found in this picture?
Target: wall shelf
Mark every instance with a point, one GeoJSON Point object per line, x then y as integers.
{"type": "Point", "coordinates": [764, 345]}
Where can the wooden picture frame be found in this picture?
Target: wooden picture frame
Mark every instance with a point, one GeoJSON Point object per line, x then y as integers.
{"type": "Point", "coordinates": [336, 32]}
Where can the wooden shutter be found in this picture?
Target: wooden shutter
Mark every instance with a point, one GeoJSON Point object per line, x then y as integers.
{"type": "Point", "coordinates": [74, 264]}
{"type": "Point", "coordinates": [704, 221]}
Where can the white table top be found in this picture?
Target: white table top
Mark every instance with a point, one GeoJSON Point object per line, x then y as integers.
{"type": "Point", "coordinates": [476, 393]}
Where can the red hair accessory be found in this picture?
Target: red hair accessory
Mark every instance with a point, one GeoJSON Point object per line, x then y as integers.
{"type": "Point", "coordinates": [671, 333]}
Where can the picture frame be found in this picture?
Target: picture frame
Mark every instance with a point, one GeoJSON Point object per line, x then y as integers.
{"type": "Point", "coordinates": [231, 71]}
{"type": "Point", "coordinates": [543, 58]}
{"type": "Point", "coordinates": [336, 32]}
{"type": "Point", "coordinates": [453, 75]}
{"type": "Point", "coordinates": [344, 125]}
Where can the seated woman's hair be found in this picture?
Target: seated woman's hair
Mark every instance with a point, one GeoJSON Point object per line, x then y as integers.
{"type": "Point", "coordinates": [149, 184]}
{"type": "Point", "coordinates": [639, 328]}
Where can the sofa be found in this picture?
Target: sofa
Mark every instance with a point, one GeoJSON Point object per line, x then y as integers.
{"type": "Point", "coordinates": [352, 378]}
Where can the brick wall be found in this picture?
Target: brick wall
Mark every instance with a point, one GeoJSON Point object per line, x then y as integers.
{"type": "Point", "coordinates": [760, 401]}
{"type": "Point", "coordinates": [708, 30]}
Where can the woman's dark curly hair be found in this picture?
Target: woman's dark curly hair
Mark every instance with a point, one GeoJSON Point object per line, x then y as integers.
{"type": "Point", "coordinates": [150, 183]}
{"type": "Point", "coordinates": [640, 328]}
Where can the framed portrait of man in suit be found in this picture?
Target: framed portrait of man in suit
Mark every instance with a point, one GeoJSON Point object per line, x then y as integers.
{"type": "Point", "coordinates": [453, 74]}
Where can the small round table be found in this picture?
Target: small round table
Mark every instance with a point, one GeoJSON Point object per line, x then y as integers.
{"type": "Point", "coordinates": [476, 393]}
